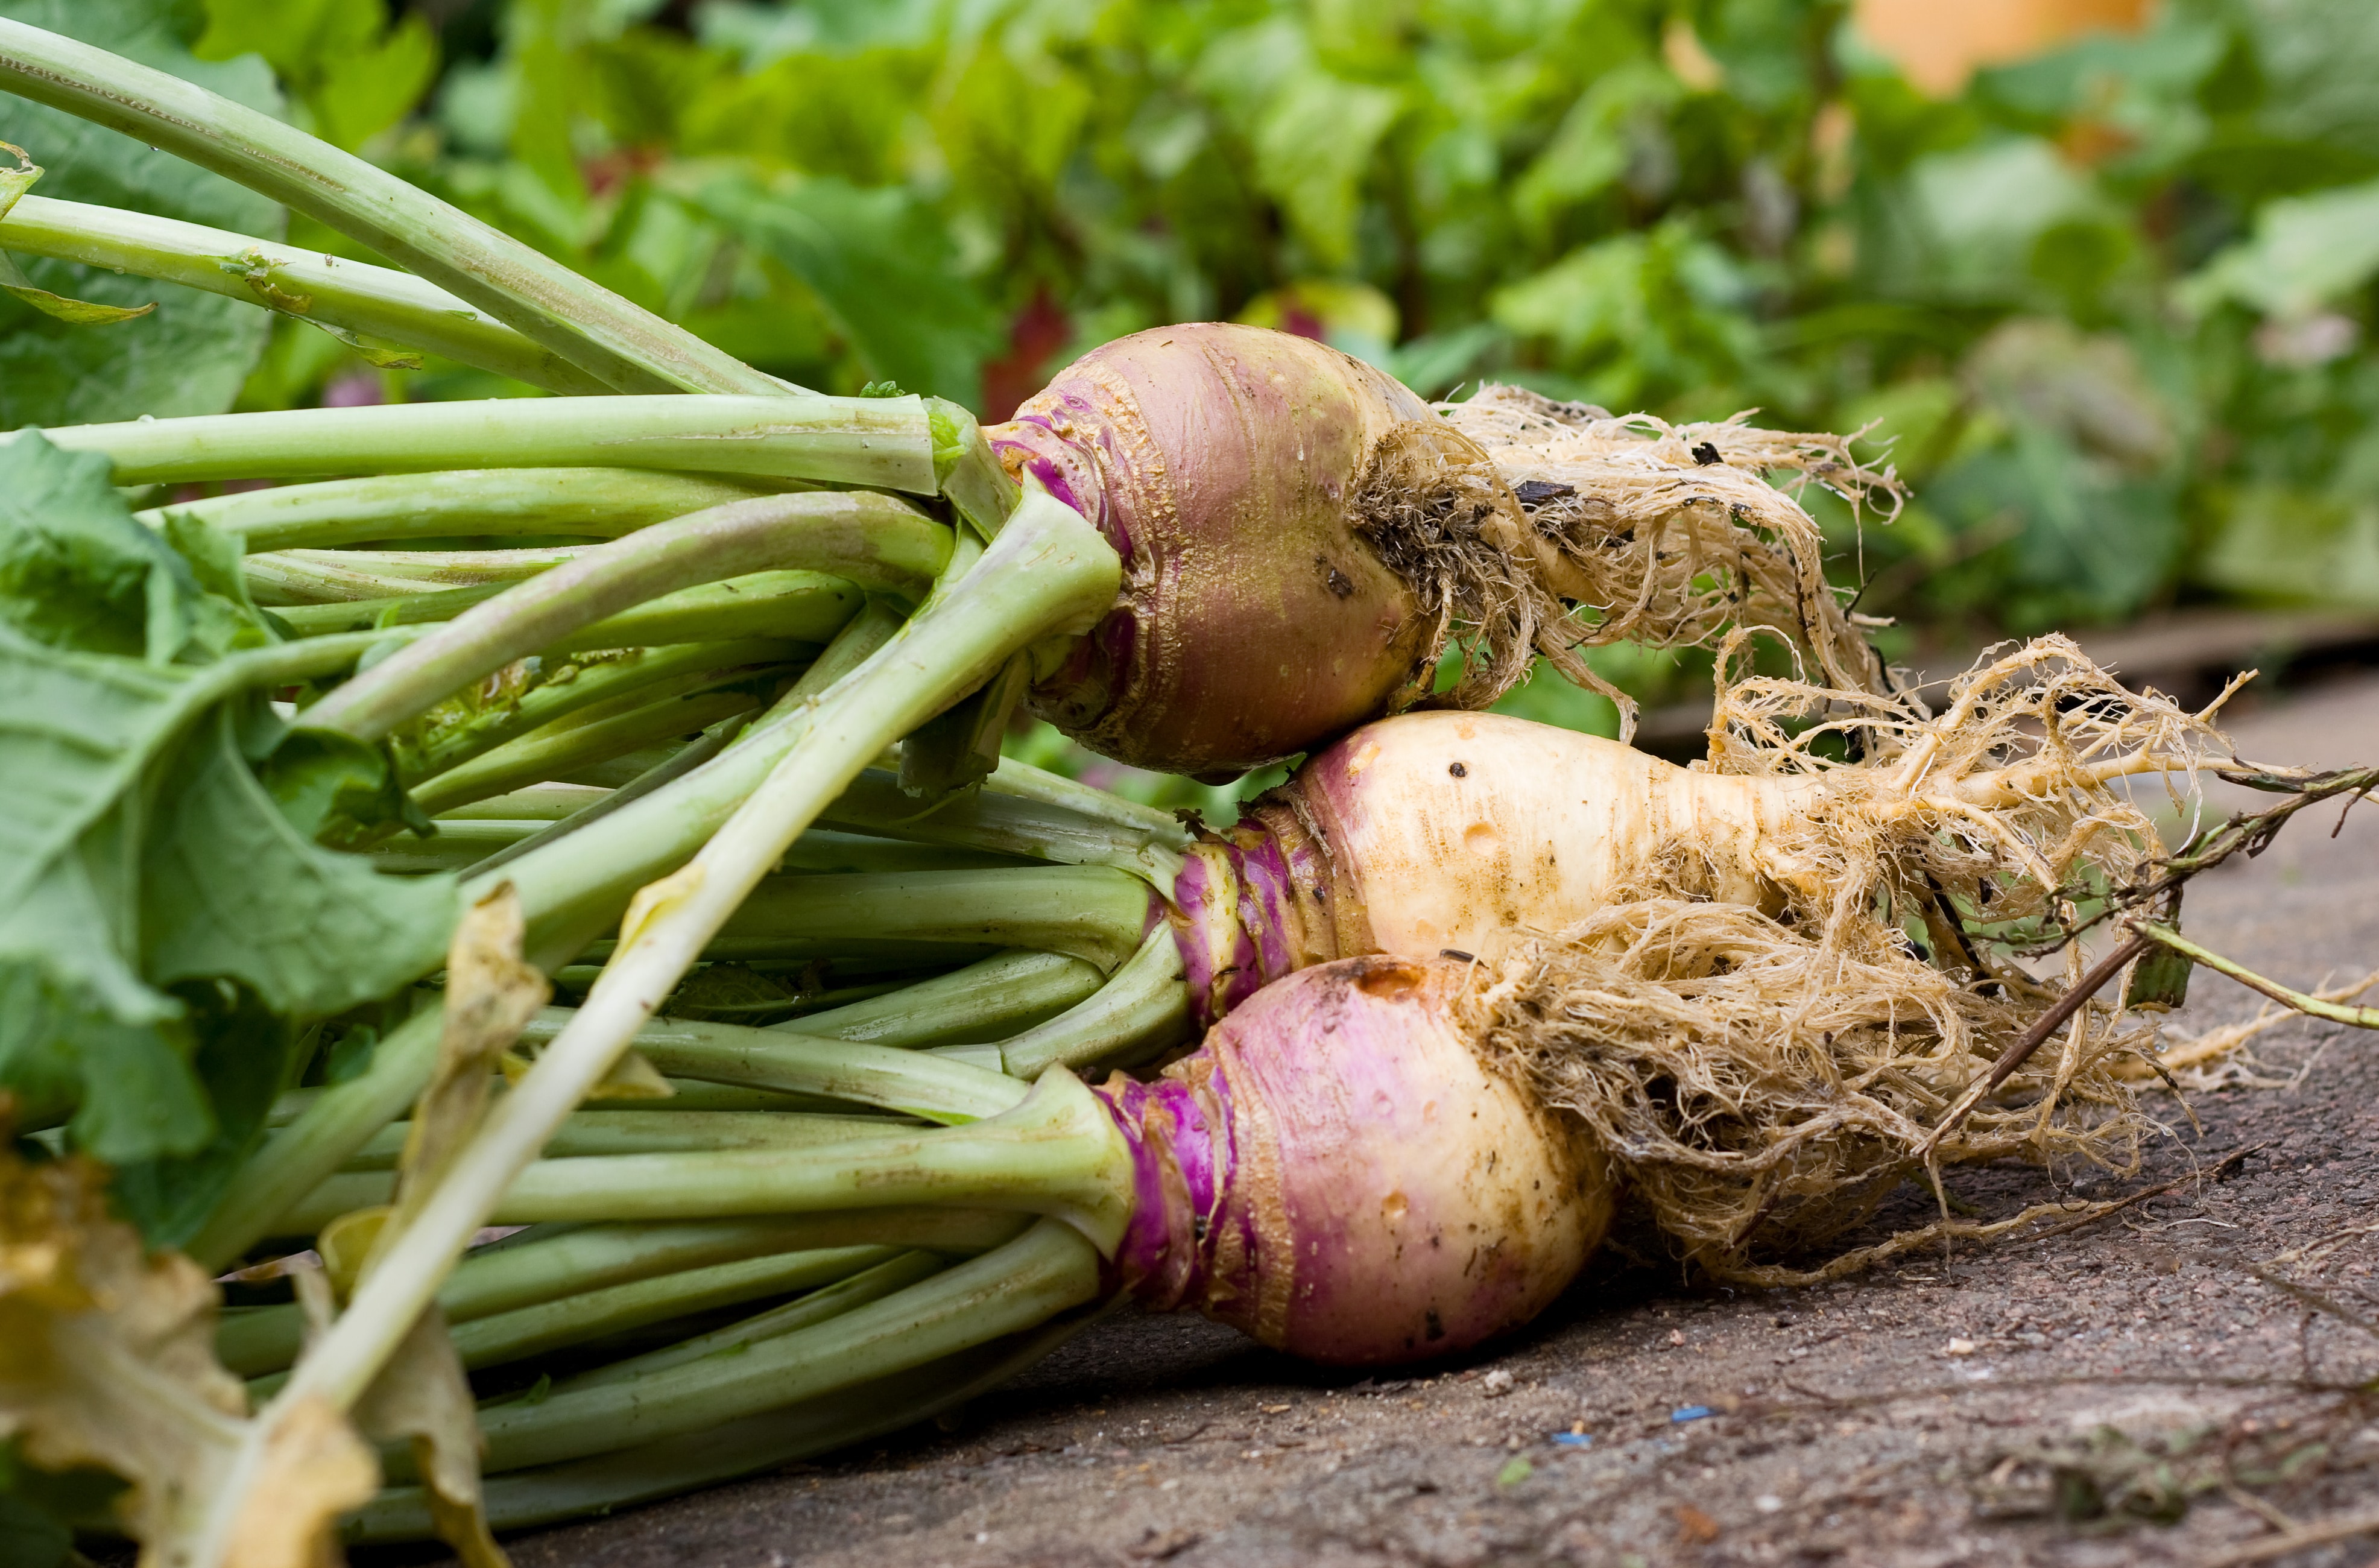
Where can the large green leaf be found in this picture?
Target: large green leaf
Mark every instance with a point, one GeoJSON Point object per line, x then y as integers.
{"type": "Point", "coordinates": [163, 923]}
{"type": "Point", "coordinates": [192, 353]}
{"type": "Point", "coordinates": [883, 269]}
{"type": "Point", "coordinates": [76, 572]}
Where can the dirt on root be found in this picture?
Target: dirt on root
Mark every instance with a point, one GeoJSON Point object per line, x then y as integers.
{"type": "Point", "coordinates": [2131, 1392]}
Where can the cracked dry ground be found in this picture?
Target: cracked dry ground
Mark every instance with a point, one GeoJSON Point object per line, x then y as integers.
{"type": "Point", "coordinates": [1930, 1414]}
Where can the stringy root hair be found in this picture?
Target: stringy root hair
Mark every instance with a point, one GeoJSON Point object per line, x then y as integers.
{"type": "Point", "coordinates": [1512, 509]}
{"type": "Point", "coordinates": [1764, 1077]}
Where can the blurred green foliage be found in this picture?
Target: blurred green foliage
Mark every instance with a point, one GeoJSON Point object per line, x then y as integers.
{"type": "Point", "coordinates": [2110, 304]}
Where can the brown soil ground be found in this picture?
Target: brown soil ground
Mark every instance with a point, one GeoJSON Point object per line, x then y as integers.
{"type": "Point", "coordinates": [2126, 1393]}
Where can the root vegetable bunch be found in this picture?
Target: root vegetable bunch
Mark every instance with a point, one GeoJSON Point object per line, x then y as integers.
{"type": "Point", "coordinates": [316, 799]}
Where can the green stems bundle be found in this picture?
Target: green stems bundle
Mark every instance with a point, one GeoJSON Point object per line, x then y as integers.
{"type": "Point", "coordinates": [730, 604]}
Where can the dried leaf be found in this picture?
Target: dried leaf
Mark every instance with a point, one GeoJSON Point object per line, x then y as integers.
{"type": "Point", "coordinates": [655, 900]}
{"type": "Point", "coordinates": [492, 995]}
{"type": "Point", "coordinates": [108, 1358]}
{"type": "Point", "coordinates": [314, 1470]}
{"type": "Point", "coordinates": [632, 1077]}
{"type": "Point", "coordinates": [16, 182]}
{"type": "Point", "coordinates": [381, 354]}
{"type": "Point", "coordinates": [346, 1246]}
{"type": "Point", "coordinates": [422, 1394]}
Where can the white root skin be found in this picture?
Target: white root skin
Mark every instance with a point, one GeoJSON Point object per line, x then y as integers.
{"type": "Point", "coordinates": [1766, 980]}
{"type": "Point", "coordinates": [1536, 832]}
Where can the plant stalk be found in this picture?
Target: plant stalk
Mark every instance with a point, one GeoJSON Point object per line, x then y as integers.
{"type": "Point", "coordinates": [599, 1134]}
{"type": "Point", "coordinates": [882, 442]}
{"type": "Point", "coordinates": [621, 1479]}
{"type": "Point", "coordinates": [575, 1320]}
{"type": "Point", "coordinates": [898, 1272]}
{"type": "Point", "coordinates": [615, 342]}
{"type": "Point", "coordinates": [1042, 1273]}
{"type": "Point", "coordinates": [916, 1083]}
{"type": "Point", "coordinates": [1140, 1013]}
{"type": "Point", "coordinates": [605, 503]}
{"type": "Point", "coordinates": [278, 578]}
{"type": "Point", "coordinates": [1055, 1153]}
{"type": "Point", "coordinates": [553, 1263]}
{"type": "Point", "coordinates": [860, 535]}
{"type": "Point", "coordinates": [642, 676]}
{"type": "Point", "coordinates": [1091, 913]}
{"type": "Point", "coordinates": [584, 741]}
{"type": "Point", "coordinates": [978, 1002]}
{"type": "Point", "coordinates": [992, 819]}
{"type": "Point", "coordinates": [327, 291]}
{"type": "Point", "coordinates": [2315, 1007]}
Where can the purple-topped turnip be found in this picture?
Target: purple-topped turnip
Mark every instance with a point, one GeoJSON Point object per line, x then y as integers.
{"type": "Point", "coordinates": [1302, 536]}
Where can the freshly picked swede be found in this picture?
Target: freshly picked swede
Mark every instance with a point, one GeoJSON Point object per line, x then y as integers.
{"type": "Point", "coordinates": [1303, 539]}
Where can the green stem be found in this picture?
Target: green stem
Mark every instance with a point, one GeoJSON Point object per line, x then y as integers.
{"type": "Point", "coordinates": [862, 441]}
{"type": "Point", "coordinates": [698, 1096]}
{"type": "Point", "coordinates": [642, 674]}
{"type": "Point", "coordinates": [862, 537]}
{"type": "Point", "coordinates": [297, 1160]}
{"type": "Point", "coordinates": [279, 578]}
{"type": "Point", "coordinates": [862, 634]}
{"type": "Point", "coordinates": [1049, 574]}
{"type": "Point", "coordinates": [369, 615]}
{"type": "Point", "coordinates": [2356, 1017]}
{"type": "Point", "coordinates": [572, 744]}
{"type": "Point", "coordinates": [1141, 1012]}
{"type": "Point", "coordinates": [600, 1485]}
{"type": "Point", "coordinates": [1092, 912]}
{"type": "Point", "coordinates": [1014, 824]}
{"type": "Point", "coordinates": [981, 1001]}
{"type": "Point", "coordinates": [575, 1320]}
{"type": "Point", "coordinates": [684, 760]}
{"type": "Point", "coordinates": [1026, 782]}
{"type": "Point", "coordinates": [459, 845]}
{"type": "Point", "coordinates": [896, 1273]}
{"type": "Point", "coordinates": [1042, 1273]}
{"type": "Point", "coordinates": [805, 606]}
{"type": "Point", "coordinates": [598, 1134]}
{"type": "Point", "coordinates": [547, 802]}
{"type": "Point", "coordinates": [916, 1083]}
{"type": "Point", "coordinates": [605, 503]}
{"type": "Point", "coordinates": [1056, 1153]}
{"type": "Point", "coordinates": [618, 343]}
{"type": "Point", "coordinates": [596, 1314]}
{"type": "Point", "coordinates": [551, 1262]}
{"type": "Point", "coordinates": [822, 852]}
{"type": "Point", "coordinates": [327, 291]}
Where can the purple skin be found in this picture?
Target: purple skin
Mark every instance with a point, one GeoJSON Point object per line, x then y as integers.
{"type": "Point", "coordinates": [1219, 460]}
{"type": "Point", "coordinates": [1265, 899]}
{"type": "Point", "coordinates": [1336, 1174]}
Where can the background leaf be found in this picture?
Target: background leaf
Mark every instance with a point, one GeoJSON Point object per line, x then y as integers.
{"type": "Point", "coordinates": [192, 355]}
{"type": "Point", "coordinates": [877, 263]}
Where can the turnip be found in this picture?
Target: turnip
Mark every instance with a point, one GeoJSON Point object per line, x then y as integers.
{"type": "Point", "coordinates": [1301, 535]}
{"type": "Point", "coordinates": [1439, 831]}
